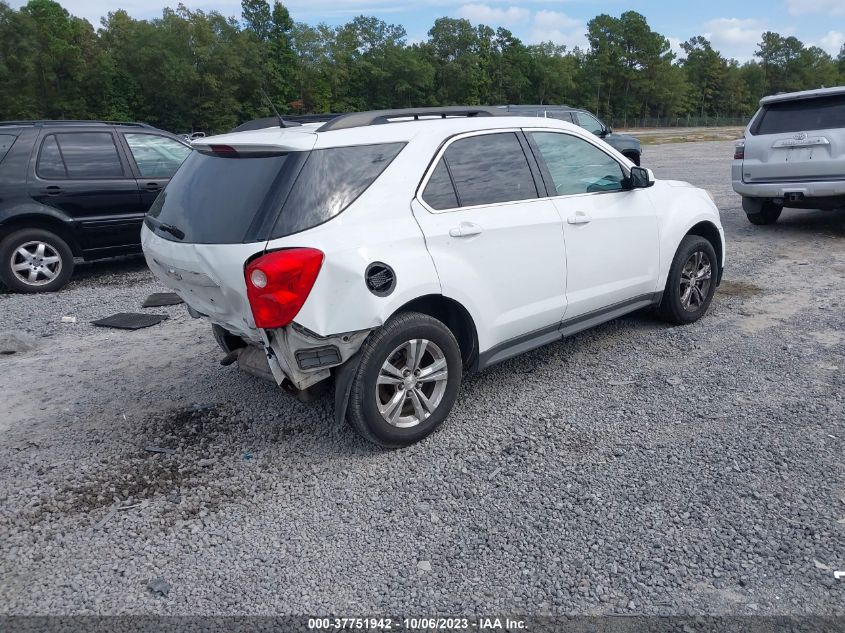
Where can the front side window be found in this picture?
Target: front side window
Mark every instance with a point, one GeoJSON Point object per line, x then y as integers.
{"type": "Point", "coordinates": [490, 169]}
{"type": "Point", "coordinates": [589, 122]}
{"type": "Point", "coordinates": [330, 181]}
{"type": "Point", "coordinates": [577, 166]}
{"type": "Point", "coordinates": [83, 155]}
{"type": "Point", "coordinates": [156, 156]}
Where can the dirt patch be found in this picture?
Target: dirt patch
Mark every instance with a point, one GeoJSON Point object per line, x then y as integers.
{"type": "Point", "coordinates": [742, 289]}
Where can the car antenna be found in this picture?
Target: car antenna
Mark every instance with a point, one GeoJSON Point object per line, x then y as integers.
{"type": "Point", "coordinates": [273, 108]}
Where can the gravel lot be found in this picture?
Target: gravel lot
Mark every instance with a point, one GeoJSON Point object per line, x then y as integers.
{"type": "Point", "coordinates": [634, 468]}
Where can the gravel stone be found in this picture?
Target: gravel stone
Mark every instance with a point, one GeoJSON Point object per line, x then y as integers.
{"type": "Point", "coordinates": [609, 499]}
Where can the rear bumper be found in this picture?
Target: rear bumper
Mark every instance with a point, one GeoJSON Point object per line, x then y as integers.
{"type": "Point", "coordinates": [780, 189]}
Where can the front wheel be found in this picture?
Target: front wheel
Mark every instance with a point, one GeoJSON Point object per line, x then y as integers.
{"type": "Point", "coordinates": [407, 381]}
{"type": "Point", "coordinates": [691, 282]}
{"type": "Point", "coordinates": [35, 260]}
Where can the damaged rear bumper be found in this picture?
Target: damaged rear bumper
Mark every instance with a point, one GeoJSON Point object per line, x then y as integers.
{"type": "Point", "coordinates": [296, 358]}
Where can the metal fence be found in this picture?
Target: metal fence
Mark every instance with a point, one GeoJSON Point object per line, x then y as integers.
{"type": "Point", "coordinates": [682, 121]}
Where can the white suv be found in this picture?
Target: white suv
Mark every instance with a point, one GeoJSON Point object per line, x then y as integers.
{"type": "Point", "coordinates": [394, 250]}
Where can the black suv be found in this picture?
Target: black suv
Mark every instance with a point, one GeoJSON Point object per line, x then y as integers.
{"type": "Point", "coordinates": [76, 189]}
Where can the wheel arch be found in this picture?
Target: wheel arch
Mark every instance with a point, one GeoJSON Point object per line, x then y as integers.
{"type": "Point", "coordinates": [42, 221]}
{"type": "Point", "coordinates": [708, 231]}
{"type": "Point", "coordinates": [455, 316]}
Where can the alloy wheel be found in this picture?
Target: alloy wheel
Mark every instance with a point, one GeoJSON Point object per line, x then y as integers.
{"type": "Point", "coordinates": [696, 276]}
{"type": "Point", "coordinates": [411, 383]}
{"type": "Point", "coordinates": [36, 263]}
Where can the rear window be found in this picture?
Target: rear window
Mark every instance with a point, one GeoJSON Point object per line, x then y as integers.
{"type": "Point", "coordinates": [330, 181]}
{"type": "Point", "coordinates": [822, 113]}
{"type": "Point", "coordinates": [218, 199]}
{"type": "Point", "coordinates": [6, 142]}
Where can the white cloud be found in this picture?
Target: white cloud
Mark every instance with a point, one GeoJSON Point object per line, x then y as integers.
{"type": "Point", "coordinates": [832, 42]}
{"type": "Point", "coordinates": [557, 27]}
{"type": "Point", "coordinates": [485, 14]}
{"type": "Point", "coordinates": [675, 45]}
{"type": "Point", "coordinates": [555, 20]}
{"type": "Point", "coordinates": [734, 37]}
{"type": "Point", "coordinates": [828, 7]}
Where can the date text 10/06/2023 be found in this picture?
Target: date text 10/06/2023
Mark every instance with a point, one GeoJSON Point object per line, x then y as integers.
{"type": "Point", "coordinates": [414, 624]}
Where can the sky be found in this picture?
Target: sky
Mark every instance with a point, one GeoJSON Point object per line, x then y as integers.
{"type": "Point", "coordinates": [733, 27]}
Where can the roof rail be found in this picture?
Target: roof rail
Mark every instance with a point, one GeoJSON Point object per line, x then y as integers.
{"type": "Point", "coordinates": [43, 122]}
{"type": "Point", "coordinates": [379, 117]}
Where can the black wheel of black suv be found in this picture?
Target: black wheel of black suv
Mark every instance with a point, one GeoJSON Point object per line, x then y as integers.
{"type": "Point", "coordinates": [35, 260]}
{"type": "Point", "coordinates": [407, 380]}
{"type": "Point", "coordinates": [691, 282]}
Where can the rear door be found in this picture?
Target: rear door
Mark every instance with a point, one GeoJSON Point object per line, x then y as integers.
{"type": "Point", "coordinates": [156, 158]}
{"type": "Point", "coordinates": [497, 245]}
{"type": "Point", "coordinates": [612, 245]}
{"type": "Point", "coordinates": [84, 175]}
{"type": "Point", "coordinates": [794, 141]}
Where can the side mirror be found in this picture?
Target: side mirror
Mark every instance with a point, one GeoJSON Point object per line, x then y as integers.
{"type": "Point", "coordinates": [641, 178]}
{"type": "Point", "coordinates": [607, 130]}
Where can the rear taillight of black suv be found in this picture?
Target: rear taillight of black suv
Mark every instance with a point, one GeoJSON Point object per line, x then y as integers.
{"type": "Point", "coordinates": [278, 283]}
{"type": "Point", "coordinates": [739, 149]}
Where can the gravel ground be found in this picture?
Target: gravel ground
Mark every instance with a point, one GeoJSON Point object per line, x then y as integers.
{"type": "Point", "coordinates": [635, 468]}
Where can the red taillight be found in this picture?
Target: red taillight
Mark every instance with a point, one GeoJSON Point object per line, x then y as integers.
{"type": "Point", "coordinates": [739, 150]}
{"type": "Point", "coordinates": [278, 283]}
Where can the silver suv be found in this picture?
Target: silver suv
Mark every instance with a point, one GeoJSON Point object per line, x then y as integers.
{"type": "Point", "coordinates": [792, 154]}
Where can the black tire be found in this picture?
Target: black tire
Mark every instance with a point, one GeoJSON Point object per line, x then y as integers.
{"type": "Point", "coordinates": [634, 157]}
{"type": "Point", "coordinates": [62, 269]}
{"type": "Point", "coordinates": [363, 412]}
{"type": "Point", "coordinates": [760, 211]}
{"type": "Point", "coordinates": [672, 307]}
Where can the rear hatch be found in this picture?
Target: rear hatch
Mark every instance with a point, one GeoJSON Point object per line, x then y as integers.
{"type": "Point", "coordinates": [797, 140]}
{"type": "Point", "coordinates": [232, 195]}
{"type": "Point", "coordinates": [216, 213]}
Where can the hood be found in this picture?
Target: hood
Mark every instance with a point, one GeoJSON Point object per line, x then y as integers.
{"type": "Point", "coordinates": [622, 137]}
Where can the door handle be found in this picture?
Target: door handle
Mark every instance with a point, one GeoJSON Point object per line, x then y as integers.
{"type": "Point", "coordinates": [465, 229]}
{"type": "Point", "coordinates": [53, 190]}
{"type": "Point", "coordinates": [579, 218]}
{"type": "Point", "coordinates": [153, 186]}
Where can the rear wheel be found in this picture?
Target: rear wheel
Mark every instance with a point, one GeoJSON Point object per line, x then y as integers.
{"type": "Point", "coordinates": [35, 260]}
{"type": "Point", "coordinates": [691, 282]}
{"type": "Point", "coordinates": [407, 381]}
{"type": "Point", "coordinates": [761, 211]}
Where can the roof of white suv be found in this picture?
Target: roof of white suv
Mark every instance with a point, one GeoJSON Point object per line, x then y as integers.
{"type": "Point", "coordinates": [310, 136]}
{"type": "Point", "coordinates": [803, 94]}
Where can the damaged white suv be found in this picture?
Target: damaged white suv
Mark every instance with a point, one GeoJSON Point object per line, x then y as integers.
{"type": "Point", "coordinates": [394, 250]}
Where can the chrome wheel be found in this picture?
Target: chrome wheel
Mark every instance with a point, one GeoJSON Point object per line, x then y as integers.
{"type": "Point", "coordinates": [36, 263]}
{"type": "Point", "coordinates": [411, 383]}
{"type": "Point", "coordinates": [695, 281]}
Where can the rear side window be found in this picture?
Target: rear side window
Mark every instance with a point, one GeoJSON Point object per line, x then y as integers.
{"type": "Point", "coordinates": [83, 155]}
{"type": "Point", "coordinates": [440, 192]}
{"type": "Point", "coordinates": [6, 142]}
{"type": "Point", "coordinates": [330, 181]}
{"type": "Point", "coordinates": [490, 169]}
{"type": "Point", "coordinates": [800, 116]}
{"type": "Point", "coordinates": [214, 199]}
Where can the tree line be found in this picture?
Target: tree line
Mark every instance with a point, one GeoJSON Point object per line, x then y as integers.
{"type": "Point", "coordinates": [195, 70]}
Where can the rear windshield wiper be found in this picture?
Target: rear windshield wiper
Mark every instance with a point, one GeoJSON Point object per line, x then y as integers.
{"type": "Point", "coordinates": [175, 231]}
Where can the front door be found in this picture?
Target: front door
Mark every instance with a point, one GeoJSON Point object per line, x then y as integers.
{"type": "Point", "coordinates": [611, 233]}
{"type": "Point", "coordinates": [497, 246]}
